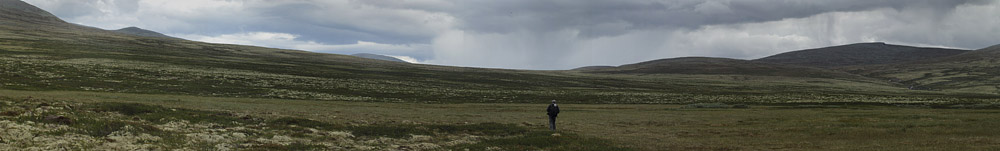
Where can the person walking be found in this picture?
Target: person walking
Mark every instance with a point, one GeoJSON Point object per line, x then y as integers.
{"type": "Point", "coordinates": [553, 112]}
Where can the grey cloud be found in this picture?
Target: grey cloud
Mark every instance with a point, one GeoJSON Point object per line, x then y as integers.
{"type": "Point", "coordinates": [592, 17]}
{"type": "Point", "coordinates": [314, 20]}
{"type": "Point", "coordinates": [911, 24]}
{"type": "Point", "coordinates": [317, 23]}
{"type": "Point", "coordinates": [77, 8]}
{"type": "Point", "coordinates": [427, 5]}
{"type": "Point", "coordinates": [70, 9]}
{"type": "Point", "coordinates": [562, 34]}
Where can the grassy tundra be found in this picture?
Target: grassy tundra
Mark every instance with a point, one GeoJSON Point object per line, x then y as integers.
{"type": "Point", "coordinates": [190, 122]}
{"type": "Point", "coordinates": [69, 87]}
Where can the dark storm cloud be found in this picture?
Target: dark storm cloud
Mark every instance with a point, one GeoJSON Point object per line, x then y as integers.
{"type": "Point", "coordinates": [317, 23]}
{"type": "Point", "coordinates": [566, 34]}
{"type": "Point", "coordinates": [550, 34]}
{"type": "Point", "coordinates": [597, 18]}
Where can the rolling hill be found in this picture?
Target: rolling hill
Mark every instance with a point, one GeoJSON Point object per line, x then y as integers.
{"type": "Point", "coordinates": [70, 87]}
{"type": "Point", "coordinates": [42, 53]}
{"type": "Point", "coordinates": [588, 68]}
{"type": "Point", "coordinates": [859, 54]}
{"type": "Point", "coordinates": [18, 11]}
{"type": "Point", "coordinates": [378, 57]}
{"type": "Point", "coordinates": [722, 66]}
{"type": "Point", "coordinates": [974, 71]}
{"type": "Point", "coordinates": [140, 32]}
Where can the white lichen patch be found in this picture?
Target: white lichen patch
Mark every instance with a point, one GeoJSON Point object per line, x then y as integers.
{"type": "Point", "coordinates": [421, 138]}
{"type": "Point", "coordinates": [277, 139]}
{"type": "Point", "coordinates": [339, 134]}
{"type": "Point", "coordinates": [205, 137]}
{"type": "Point", "coordinates": [67, 141]}
{"type": "Point", "coordinates": [35, 125]}
{"type": "Point", "coordinates": [16, 133]}
{"type": "Point", "coordinates": [464, 139]}
{"type": "Point", "coordinates": [177, 126]}
{"type": "Point", "coordinates": [31, 136]}
{"type": "Point", "coordinates": [424, 146]}
{"type": "Point", "coordinates": [123, 140]}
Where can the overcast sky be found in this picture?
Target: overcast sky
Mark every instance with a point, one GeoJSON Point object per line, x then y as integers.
{"type": "Point", "coordinates": [549, 34]}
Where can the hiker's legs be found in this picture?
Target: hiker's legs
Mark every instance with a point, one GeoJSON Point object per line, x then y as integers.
{"type": "Point", "coordinates": [552, 123]}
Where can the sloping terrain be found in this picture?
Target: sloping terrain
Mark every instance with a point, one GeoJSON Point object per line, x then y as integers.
{"type": "Point", "coordinates": [34, 120]}
{"type": "Point", "coordinates": [975, 71]}
{"type": "Point", "coordinates": [140, 32]}
{"type": "Point", "coordinates": [378, 57]}
{"type": "Point", "coordinates": [71, 87]}
{"type": "Point", "coordinates": [588, 68]}
{"type": "Point", "coordinates": [39, 52]}
{"type": "Point", "coordinates": [722, 66]}
{"type": "Point", "coordinates": [859, 54]}
{"type": "Point", "coordinates": [18, 11]}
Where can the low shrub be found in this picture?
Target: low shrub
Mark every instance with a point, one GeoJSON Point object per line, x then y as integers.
{"type": "Point", "coordinates": [716, 105]}
{"type": "Point", "coordinates": [492, 129]}
{"type": "Point", "coordinates": [127, 108]}
{"type": "Point", "coordinates": [810, 106]}
{"type": "Point", "coordinates": [405, 131]}
{"type": "Point", "coordinates": [391, 131]}
{"type": "Point", "coordinates": [544, 140]}
{"type": "Point", "coordinates": [293, 146]}
{"type": "Point", "coordinates": [289, 122]}
{"type": "Point", "coordinates": [9, 113]}
{"type": "Point", "coordinates": [159, 114]}
{"type": "Point", "coordinates": [970, 106]}
{"type": "Point", "coordinates": [101, 128]}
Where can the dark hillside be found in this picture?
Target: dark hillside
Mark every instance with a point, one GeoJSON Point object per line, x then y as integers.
{"type": "Point", "coordinates": [39, 52]}
{"type": "Point", "coordinates": [722, 66]}
{"type": "Point", "coordinates": [589, 68]}
{"type": "Point", "coordinates": [974, 71]}
{"type": "Point", "coordinates": [140, 32]}
{"type": "Point", "coordinates": [859, 54]}
{"type": "Point", "coordinates": [378, 57]}
{"type": "Point", "coordinates": [19, 11]}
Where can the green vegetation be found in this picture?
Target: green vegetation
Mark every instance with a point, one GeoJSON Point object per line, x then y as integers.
{"type": "Point", "coordinates": [725, 66]}
{"type": "Point", "coordinates": [972, 72]}
{"type": "Point", "coordinates": [860, 54]}
{"type": "Point", "coordinates": [402, 130]}
{"type": "Point", "coordinates": [117, 126]}
{"type": "Point", "coordinates": [161, 115]}
{"type": "Point", "coordinates": [58, 56]}
{"type": "Point", "coordinates": [300, 124]}
{"type": "Point", "coordinates": [716, 105]}
{"type": "Point", "coordinates": [544, 140]}
{"type": "Point", "coordinates": [68, 87]}
{"type": "Point", "coordinates": [407, 130]}
{"type": "Point", "coordinates": [276, 124]}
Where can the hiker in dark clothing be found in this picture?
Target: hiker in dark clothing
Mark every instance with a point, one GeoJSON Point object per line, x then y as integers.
{"type": "Point", "coordinates": [553, 112]}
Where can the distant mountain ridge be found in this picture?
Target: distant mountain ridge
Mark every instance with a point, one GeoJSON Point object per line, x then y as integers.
{"type": "Point", "coordinates": [20, 13]}
{"type": "Point", "coordinates": [587, 68]}
{"type": "Point", "coordinates": [859, 54]}
{"type": "Point", "coordinates": [975, 71]}
{"type": "Point", "coordinates": [379, 57]}
{"type": "Point", "coordinates": [16, 10]}
{"type": "Point", "coordinates": [136, 31]}
{"type": "Point", "coordinates": [991, 52]}
{"type": "Point", "coordinates": [720, 66]}
{"type": "Point", "coordinates": [44, 53]}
